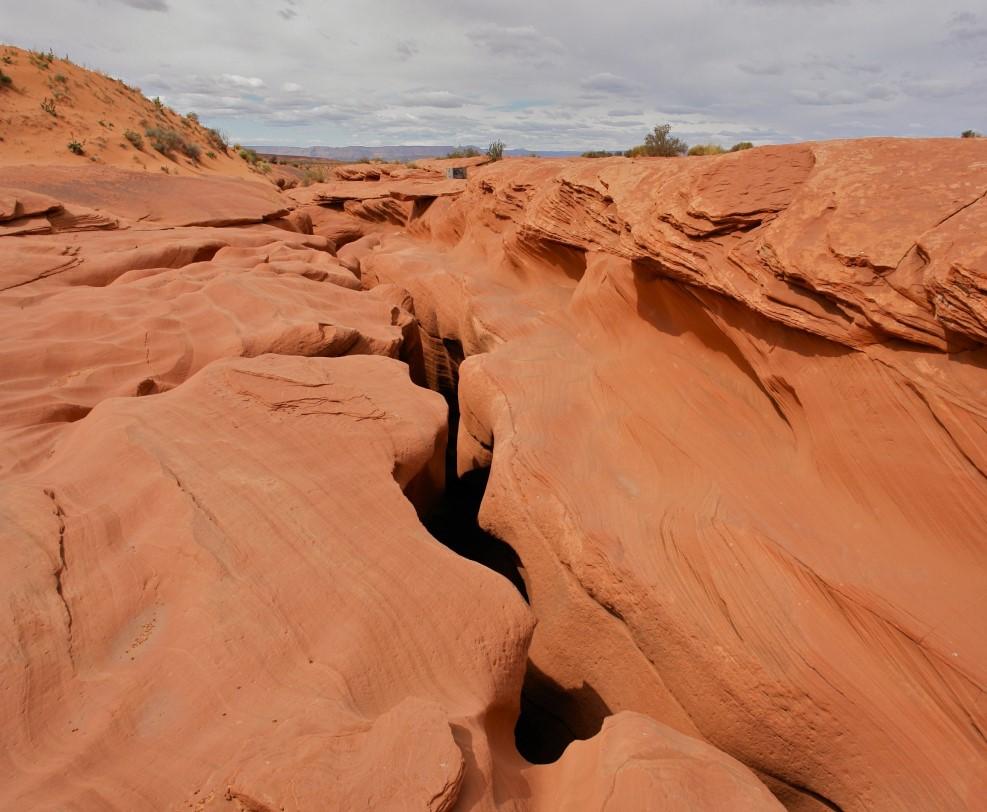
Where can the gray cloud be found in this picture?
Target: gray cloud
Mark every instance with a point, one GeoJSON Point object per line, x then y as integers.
{"type": "Point", "coordinates": [146, 5]}
{"type": "Point", "coordinates": [289, 11]}
{"type": "Point", "coordinates": [406, 48]}
{"type": "Point", "coordinates": [967, 27]}
{"type": "Point", "coordinates": [432, 98]}
{"type": "Point", "coordinates": [609, 83]}
{"type": "Point", "coordinates": [551, 74]}
{"type": "Point", "coordinates": [829, 98]}
{"type": "Point", "coordinates": [771, 69]}
{"type": "Point", "coordinates": [517, 42]}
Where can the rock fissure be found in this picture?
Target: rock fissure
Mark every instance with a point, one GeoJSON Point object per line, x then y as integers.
{"type": "Point", "coordinates": [61, 570]}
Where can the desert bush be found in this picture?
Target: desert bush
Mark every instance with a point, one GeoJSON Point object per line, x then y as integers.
{"type": "Point", "coordinates": [76, 148]}
{"type": "Point", "coordinates": [165, 140]}
{"type": "Point", "coordinates": [135, 139]}
{"type": "Point", "coordinates": [193, 117]}
{"type": "Point", "coordinates": [496, 150]}
{"type": "Point", "coordinates": [660, 144]}
{"type": "Point", "coordinates": [158, 104]}
{"type": "Point", "coordinates": [706, 149]}
{"type": "Point", "coordinates": [249, 155]}
{"type": "Point", "coordinates": [211, 155]}
{"type": "Point", "coordinates": [217, 139]}
{"type": "Point", "coordinates": [48, 105]}
{"type": "Point", "coordinates": [464, 152]}
{"type": "Point", "coordinates": [313, 174]}
{"type": "Point", "coordinates": [970, 134]}
{"type": "Point", "coordinates": [58, 90]}
{"type": "Point", "coordinates": [741, 146]}
{"type": "Point", "coordinates": [598, 153]}
{"type": "Point", "coordinates": [5, 80]}
{"type": "Point", "coordinates": [41, 60]}
{"type": "Point", "coordinates": [191, 150]}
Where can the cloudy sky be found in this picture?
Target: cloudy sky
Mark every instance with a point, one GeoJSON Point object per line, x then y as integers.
{"type": "Point", "coordinates": [542, 74]}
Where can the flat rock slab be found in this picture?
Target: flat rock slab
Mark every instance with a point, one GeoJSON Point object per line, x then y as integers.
{"type": "Point", "coordinates": [150, 197]}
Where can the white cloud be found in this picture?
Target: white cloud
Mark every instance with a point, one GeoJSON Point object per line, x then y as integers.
{"type": "Point", "coordinates": [243, 81]}
{"type": "Point", "coordinates": [432, 98]}
{"type": "Point", "coordinates": [517, 42]}
{"type": "Point", "coordinates": [547, 74]}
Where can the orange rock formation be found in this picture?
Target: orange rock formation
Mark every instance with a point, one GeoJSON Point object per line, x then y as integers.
{"type": "Point", "coordinates": [713, 432]}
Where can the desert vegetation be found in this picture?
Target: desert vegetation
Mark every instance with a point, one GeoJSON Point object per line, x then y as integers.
{"type": "Point", "coordinates": [167, 141]}
{"type": "Point", "coordinates": [217, 139]}
{"type": "Point", "coordinates": [706, 149]}
{"type": "Point", "coordinates": [42, 60]}
{"type": "Point", "coordinates": [313, 174]}
{"type": "Point", "coordinates": [970, 134]}
{"type": "Point", "coordinates": [660, 143]}
{"type": "Point", "coordinates": [463, 152]}
{"type": "Point", "coordinates": [135, 138]}
{"type": "Point", "coordinates": [496, 150]}
{"type": "Point", "coordinates": [249, 155]}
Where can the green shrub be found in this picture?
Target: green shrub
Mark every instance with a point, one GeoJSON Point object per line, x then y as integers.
{"type": "Point", "coordinates": [193, 117]}
{"type": "Point", "coordinates": [249, 155]}
{"type": "Point", "coordinates": [164, 140]}
{"type": "Point", "coordinates": [76, 148]}
{"type": "Point", "coordinates": [706, 149]}
{"type": "Point", "coordinates": [660, 144]}
{"type": "Point", "coordinates": [135, 139]}
{"type": "Point", "coordinates": [5, 80]}
{"type": "Point", "coordinates": [741, 146]}
{"type": "Point", "coordinates": [598, 153]}
{"type": "Point", "coordinates": [58, 86]}
{"type": "Point", "coordinates": [496, 150]}
{"type": "Point", "coordinates": [211, 155]}
{"type": "Point", "coordinates": [158, 103]}
{"type": "Point", "coordinates": [40, 60]}
{"type": "Point", "coordinates": [217, 139]}
{"type": "Point", "coordinates": [48, 105]}
{"type": "Point", "coordinates": [313, 174]}
{"type": "Point", "coordinates": [192, 150]}
{"type": "Point", "coordinates": [464, 152]}
{"type": "Point", "coordinates": [970, 134]}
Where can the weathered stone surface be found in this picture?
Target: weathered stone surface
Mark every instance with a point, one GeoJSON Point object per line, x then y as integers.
{"type": "Point", "coordinates": [727, 413]}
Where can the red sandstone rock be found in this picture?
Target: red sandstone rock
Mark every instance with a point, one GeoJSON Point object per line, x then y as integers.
{"type": "Point", "coordinates": [195, 594]}
{"type": "Point", "coordinates": [163, 200]}
{"type": "Point", "coordinates": [734, 418]}
{"type": "Point", "coordinates": [635, 763]}
{"type": "Point", "coordinates": [713, 450]}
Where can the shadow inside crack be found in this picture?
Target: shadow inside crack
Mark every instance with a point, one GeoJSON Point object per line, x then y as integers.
{"type": "Point", "coordinates": [453, 521]}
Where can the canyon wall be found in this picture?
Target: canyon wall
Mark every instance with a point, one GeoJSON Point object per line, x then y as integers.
{"type": "Point", "coordinates": [721, 421]}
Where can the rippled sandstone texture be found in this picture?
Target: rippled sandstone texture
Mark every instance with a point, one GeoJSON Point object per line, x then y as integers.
{"type": "Point", "coordinates": [729, 413]}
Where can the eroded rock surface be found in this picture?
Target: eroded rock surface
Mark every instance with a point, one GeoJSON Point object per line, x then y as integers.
{"type": "Point", "coordinates": [720, 421]}
{"type": "Point", "coordinates": [739, 457]}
